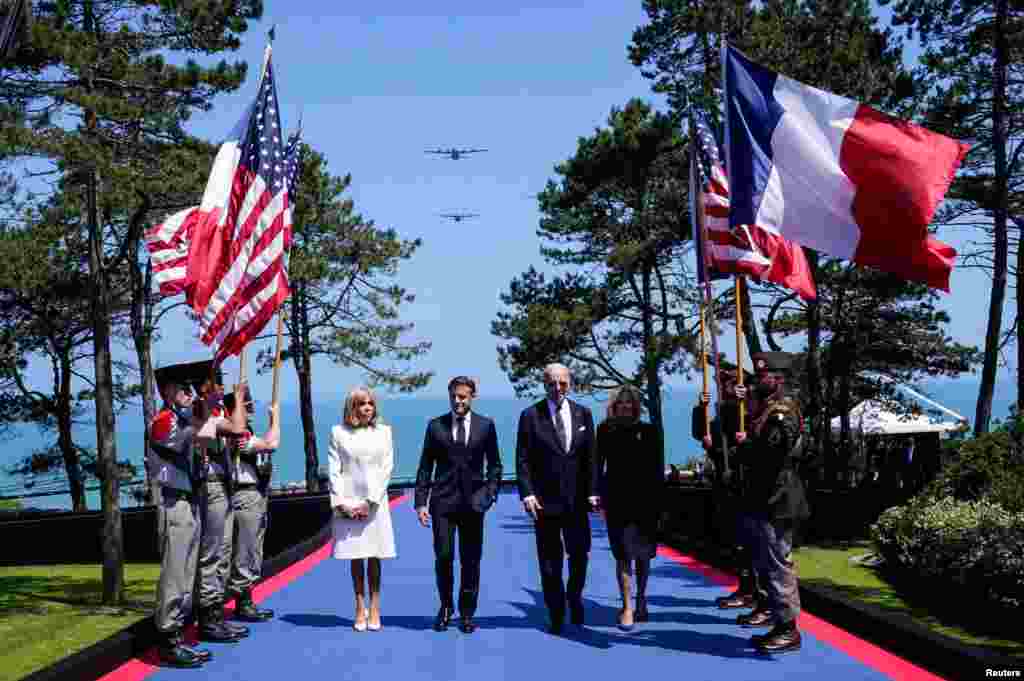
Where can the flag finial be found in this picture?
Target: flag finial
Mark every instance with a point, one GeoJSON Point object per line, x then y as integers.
{"type": "Point", "coordinates": [270, 33]}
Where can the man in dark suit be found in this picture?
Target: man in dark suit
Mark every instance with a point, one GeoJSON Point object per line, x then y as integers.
{"type": "Point", "coordinates": [455, 449]}
{"type": "Point", "coordinates": [554, 453]}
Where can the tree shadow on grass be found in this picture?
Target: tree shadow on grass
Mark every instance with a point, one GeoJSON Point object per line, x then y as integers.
{"type": "Point", "coordinates": [917, 604]}
{"type": "Point", "coordinates": [32, 594]}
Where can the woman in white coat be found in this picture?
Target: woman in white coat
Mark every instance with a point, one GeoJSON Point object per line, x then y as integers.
{"type": "Point", "coordinates": [361, 458]}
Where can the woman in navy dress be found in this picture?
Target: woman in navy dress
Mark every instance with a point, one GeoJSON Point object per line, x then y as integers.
{"type": "Point", "coordinates": [630, 470]}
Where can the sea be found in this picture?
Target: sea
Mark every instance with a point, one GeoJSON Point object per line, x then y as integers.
{"type": "Point", "coordinates": [408, 416]}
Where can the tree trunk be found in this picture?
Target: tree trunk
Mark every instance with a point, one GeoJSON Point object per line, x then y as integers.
{"type": "Point", "coordinates": [106, 448]}
{"type": "Point", "coordinates": [814, 401]}
{"type": "Point", "coordinates": [142, 337]}
{"type": "Point", "coordinates": [301, 358]}
{"type": "Point", "coordinates": [68, 451]}
{"type": "Point", "coordinates": [983, 414]}
{"type": "Point", "coordinates": [651, 356]}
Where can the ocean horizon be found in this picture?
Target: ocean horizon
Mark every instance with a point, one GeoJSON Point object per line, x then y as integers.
{"type": "Point", "coordinates": [408, 416]}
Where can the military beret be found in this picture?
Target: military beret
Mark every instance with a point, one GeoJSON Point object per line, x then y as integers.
{"type": "Point", "coordinates": [189, 373]}
{"type": "Point", "coordinates": [725, 366]}
{"type": "Point", "coordinates": [773, 361]}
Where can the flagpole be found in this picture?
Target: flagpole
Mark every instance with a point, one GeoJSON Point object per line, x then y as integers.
{"type": "Point", "coordinates": [700, 231]}
{"type": "Point", "coordinates": [704, 369]}
{"type": "Point", "coordinates": [277, 354]}
{"type": "Point", "coordinates": [737, 290]}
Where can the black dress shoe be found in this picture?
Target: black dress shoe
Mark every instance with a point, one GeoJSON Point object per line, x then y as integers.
{"type": "Point", "coordinates": [758, 618]}
{"type": "Point", "coordinates": [202, 653]}
{"type": "Point", "coordinates": [239, 629]}
{"type": "Point", "coordinates": [179, 657]}
{"type": "Point", "coordinates": [467, 625]}
{"type": "Point", "coordinates": [444, 617]}
{"type": "Point", "coordinates": [783, 638]}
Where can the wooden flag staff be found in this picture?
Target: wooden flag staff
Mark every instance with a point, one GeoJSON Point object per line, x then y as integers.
{"type": "Point", "coordinates": [739, 350]}
{"type": "Point", "coordinates": [277, 354]}
{"type": "Point", "coordinates": [705, 369]}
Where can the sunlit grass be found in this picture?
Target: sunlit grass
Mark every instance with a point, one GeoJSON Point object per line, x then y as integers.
{"type": "Point", "coordinates": [49, 612]}
{"type": "Point", "coordinates": [976, 624]}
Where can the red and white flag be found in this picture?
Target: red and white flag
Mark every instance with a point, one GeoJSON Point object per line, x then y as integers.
{"type": "Point", "coordinates": [236, 274]}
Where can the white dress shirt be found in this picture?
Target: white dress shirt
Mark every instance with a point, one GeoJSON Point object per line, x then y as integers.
{"type": "Point", "coordinates": [455, 425]}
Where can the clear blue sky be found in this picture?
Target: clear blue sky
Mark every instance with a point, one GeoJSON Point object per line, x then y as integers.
{"type": "Point", "coordinates": [377, 89]}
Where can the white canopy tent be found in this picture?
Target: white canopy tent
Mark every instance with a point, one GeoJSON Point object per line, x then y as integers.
{"type": "Point", "coordinates": [874, 417]}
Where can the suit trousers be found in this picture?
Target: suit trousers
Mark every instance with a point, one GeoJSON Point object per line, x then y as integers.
{"type": "Point", "coordinates": [558, 535]}
{"type": "Point", "coordinates": [773, 559]}
{"type": "Point", "coordinates": [250, 509]}
{"type": "Point", "coordinates": [181, 536]}
{"type": "Point", "coordinates": [469, 525]}
{"type": "Point", "coordinates": [215, 547]}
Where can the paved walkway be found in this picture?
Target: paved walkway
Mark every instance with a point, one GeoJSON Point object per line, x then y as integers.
{"type": "Point", "coordinates": [687, 637]}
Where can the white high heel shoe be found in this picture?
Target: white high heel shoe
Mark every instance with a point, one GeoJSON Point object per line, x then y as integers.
{"type": "Point", "coordinates": [370, 625]}
{"type": "Point", "coordinates": [362, 626]}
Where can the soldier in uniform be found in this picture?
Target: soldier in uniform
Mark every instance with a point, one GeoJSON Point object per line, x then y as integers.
{"type": "Point", "coordinates": [173, 464]}
{"type": "Point", "coordinates": [728, 489]}
{"type": "Point", "coordinates": [217, 516]}
{"type": "Point", "coordinates": [774, 496]}
{"type": "Point", "coordinates": [251, 460]}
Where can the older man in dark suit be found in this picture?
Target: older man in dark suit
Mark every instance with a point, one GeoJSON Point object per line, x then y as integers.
{"type": "Point", "coordinates": [451, 474]}
{"type": "Point", "coordinates": [554, 454]}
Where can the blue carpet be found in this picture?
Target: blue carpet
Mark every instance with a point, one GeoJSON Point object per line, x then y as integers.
{"type": "Point", "coordinates": [687, 637]}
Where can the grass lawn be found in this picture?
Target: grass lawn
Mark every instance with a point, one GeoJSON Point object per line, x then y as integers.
{"type": "Point", "coordinates": [971, 623]}
{"type": "Point", "coordinates": [51, 611]}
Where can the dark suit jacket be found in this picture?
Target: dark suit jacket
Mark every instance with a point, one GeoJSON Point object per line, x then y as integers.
{"type": "Point", "coordinates": [452, 475]}
{"type": "Point", "coordinates": [561, 480]}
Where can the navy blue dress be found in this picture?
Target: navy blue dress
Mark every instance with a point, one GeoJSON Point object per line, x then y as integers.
{"type": "Point", "coordinates": [630, 470]}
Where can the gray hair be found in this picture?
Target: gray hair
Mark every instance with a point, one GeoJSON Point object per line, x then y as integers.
{"type": "Point", "coordinates": [550, 369]}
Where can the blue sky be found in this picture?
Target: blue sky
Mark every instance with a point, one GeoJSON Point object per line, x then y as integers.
{"type": "Point", "coordinates": [377, 89]}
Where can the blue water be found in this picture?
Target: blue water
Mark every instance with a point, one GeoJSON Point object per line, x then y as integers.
{"type": "Point", "coordinates": [408, 416]}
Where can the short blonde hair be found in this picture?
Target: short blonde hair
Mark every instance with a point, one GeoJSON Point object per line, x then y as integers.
{"type": "Point", "coordinates": [626, 392]}
{"type": "Point", "coordinates": [348, 412]}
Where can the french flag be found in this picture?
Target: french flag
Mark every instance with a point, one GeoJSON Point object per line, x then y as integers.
{"type": "Point", "coordinates": [835, 175]}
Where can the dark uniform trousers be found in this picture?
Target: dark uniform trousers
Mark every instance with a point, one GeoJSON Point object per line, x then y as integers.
{"type": "Point", "coordinates": [774, 562]}
{"type": "Point", "coordinates": [469, 525]}
{"type": "Point", "coordinates": [558, 535]}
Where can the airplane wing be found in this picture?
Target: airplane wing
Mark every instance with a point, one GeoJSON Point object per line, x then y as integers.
{"type": "Point", "coordinates": [435, 151]}
{"type": "Point", "coordinates": [473, 151]}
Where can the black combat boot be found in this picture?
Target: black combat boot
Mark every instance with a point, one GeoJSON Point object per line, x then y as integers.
{"type": "Point", "coordinates": [211, 626]}
{"type": "Point", "coordinates": [246, 610]}
{"type": "Point", "coordinates": [240, 629]}
{"type": "Point", "coordinates": [758, 618]}
{"type": "Point", "coordinates": [783, 638]}
{"type": "Point", "coordinates": [172, 652]}
{"type": "Point", "coordinates": [743, 596]}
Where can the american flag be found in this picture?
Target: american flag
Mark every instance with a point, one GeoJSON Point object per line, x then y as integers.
{"type": "Point", "coordinates": [751, 250]}
{"type": "Point", "coordinates": [234, 271]}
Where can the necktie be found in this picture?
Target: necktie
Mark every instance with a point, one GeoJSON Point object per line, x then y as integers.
{"type": "Point", "coordinates": [460, 430]}
{"type": "Point", "coordinates": [560, 427]}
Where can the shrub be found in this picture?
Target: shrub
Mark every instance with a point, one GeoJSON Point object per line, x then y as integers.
{"type": "Point", "coordinates": [972, 543]}
{"type": "Point", "coordinates": [987, 467]}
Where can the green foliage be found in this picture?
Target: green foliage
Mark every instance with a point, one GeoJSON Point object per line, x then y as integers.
{"type": "Point", "coordinates": [832, 44]}
{"type": "Point", "coordinates": [975, 544]}
{"type": "Point", "coordinates": [345, 302]}
{"type": "Point", "coordinates": [617, 220]}
{"type": "Point", "coordinates": [987, 467]}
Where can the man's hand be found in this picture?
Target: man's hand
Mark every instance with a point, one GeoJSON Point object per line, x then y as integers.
{"type": "Point", "coordinates": [532, 506]}
{"type": "Point", "coordinates": [741, 391]}
{"type": "Point", "coordinates": [424, 517]}
{"type": "Point", "coordinates": [706, 442]}
{"type": "Point", "coordinates": [741, 438]}
{"type": "Point", "coordinates": [595, 503]}
{"type": "Point", "coordinates": [705, 399]}
{"type": "Point", "coordinates": [274, 413]}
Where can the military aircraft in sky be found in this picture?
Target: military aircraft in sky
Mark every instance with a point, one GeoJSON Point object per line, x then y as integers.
{"type": "Point", "coordinates": [453, 154]}
{"type": "Point", "coordinates": [459, 217]}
